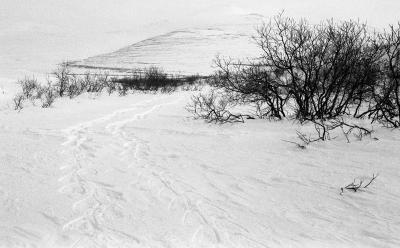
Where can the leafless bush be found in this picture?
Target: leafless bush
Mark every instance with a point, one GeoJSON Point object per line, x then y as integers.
{"type": "Point", "coordinates": [252, 84]}
{"type": "Point", "coordinates": [194, 83]}
{"type": "Point", "coordinates": [111, 86]}
{"type": "Point", "coordinates": [385, 107]}
{"type": "Point", "coordinates": [318, 72]}
{"type": "Point", "coordinates": [122, 89]}
{"type": "Point", "coordinates": [358, 131]}
{"type": "Point", "coordinates": [30, 88]}
{"type": "Point", "coordinates": [323, 68]}
{"type": "Point", "coordinates": [33, 91]}
{"type": "Point", "coordinates": [48, 96]}
{"type": "Point", "coordinates": [154, 79]}
{"type": "Point", "coordinates": [323, 129]}
{"type": "Point", "coordinates": [322, 134]}
{"type": "Point", "coordinates": [96, 82]}
{"type": "Point", "coordinates": [212, 108]}
{"type": "Point", "coordinates": [261, 110]}
{"type": "Point", "coordinates": [75, 87]}
{"type": "Point", "coordinates": [18, 101]}
{"type": "Point", "coordinates": [88, 82]}
{"type": "Point", "coordinates": [63, 77]}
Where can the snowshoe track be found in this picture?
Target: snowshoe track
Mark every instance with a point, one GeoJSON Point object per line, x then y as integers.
{"type": "Point", "coordinates": [99, 203]}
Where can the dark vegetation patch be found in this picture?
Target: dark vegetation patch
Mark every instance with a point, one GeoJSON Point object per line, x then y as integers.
{"type": "Point", "coordinates": [65, 83]}
{"type": "Point", "coordinates": [312, 73]}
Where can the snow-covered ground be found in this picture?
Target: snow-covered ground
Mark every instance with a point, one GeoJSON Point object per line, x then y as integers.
{"type": "Point", "coordinates": [186, 51]}
{"type": "Point", "coordinates": [138, 171]}
{"type": "Point", "coordinates": [35, 36]}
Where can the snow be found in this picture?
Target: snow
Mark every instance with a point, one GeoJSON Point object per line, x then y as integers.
{"type": "Point", "coordinates": [187, 51]}
{"type": "Point", "coordinates": [138, 171]}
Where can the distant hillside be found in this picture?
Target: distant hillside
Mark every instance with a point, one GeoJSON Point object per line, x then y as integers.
{"type": "Point", "coordinates": [186, 51]}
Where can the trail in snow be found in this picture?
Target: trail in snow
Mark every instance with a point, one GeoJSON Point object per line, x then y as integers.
{"type": "Point", "coordinates": [142, 173]}
{"type": "Point", "coordinates": [100, 202]}
{"type": "Point", "coordinates": [114, 172]}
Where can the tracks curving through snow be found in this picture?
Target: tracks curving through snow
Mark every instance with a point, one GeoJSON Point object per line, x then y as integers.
{"type": "Point", "coordinates": [118, 187]}
{"type": "Point", "coordinates": [98, 203]}
{"type": "Point", "coordinates": [145, 176]}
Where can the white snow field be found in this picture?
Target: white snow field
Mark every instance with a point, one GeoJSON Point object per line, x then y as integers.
{"type": "Point", "coordinates": [187, 51]}
{"type": "Point", "coordinates": [139, 171]}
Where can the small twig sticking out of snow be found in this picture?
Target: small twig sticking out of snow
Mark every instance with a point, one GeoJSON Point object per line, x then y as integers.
{"type": "Point", "coordinates": [303, 138]}
{"type": "Point", "coordinates": [355, 187]}
{"type": "Point", "coordinates": [297, 144]}
{"type": "Point", "coordinates": [372, 179]}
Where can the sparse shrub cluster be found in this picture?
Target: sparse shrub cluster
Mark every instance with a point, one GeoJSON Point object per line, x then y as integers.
{"type": "Point", "coordinates": [18, 101]}
{"type": "Point", "coordinates": [72, 85]}
{"type": "Point", "coordinates": [31, 89]}
{"type": "Point", "coordinates": [48, 95]}
{"type": "Point", "coordinates": [154, 79]}
{"type": "Point", "coordinates": [35, 92]}
{"type": "Point", "coordinates": [213, 107]}
{"type": "Point", "coordinates": [318, 72]}
{"type": "Point", "coordinates": [385, 93]}
{"type": "Point", "coordinates": [67, 84]}
{"type": "Point", "coordinates": [323, 129]}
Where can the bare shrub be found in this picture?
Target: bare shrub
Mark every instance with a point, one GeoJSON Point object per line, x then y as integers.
{"type": "Point", "coordinates": [252, 84]}
{"type": "Point", "coordinates": [33, 90]}
{"type": "Point", "coordinates": [122, 89]}
{"type": "Point", "coordinates": [324, 68]}
{"type": "Point", "coordinates": [96, 82]}
{"type": "Point", "coordinates": [323, 129]}
{"type": "Point", "coordinates": [193, 83]}
{"type": "Point", "coordinates": [48, 96]}
{"type": "Point", "coordinates": [75, 86]}
{"type": "Point", "coordinates": [212, 107]}
{"type": "Point", "coordinates": [63, 77]}
{"type": "Point", "coordinates": [155, 78]}
{"type": "Point", "coordinates": [18, 101]}
{"type": "Point", "coordinates": [111, 86]}
{"type": "Point", "coordinates": [309, 72]}
{"type": "Point", "coordinates": [386, 101]}
{"type": "Point", "coordinates": [261, 110]}
{"type": "Point", "coordinates": [103, 80]}
{"type": "Point", "coordinates": [151, 79]}
{"type": "Point", "coordinates": [88, 82]}
{"type": "Point", "coordinates": [319, 73]}
{"type": "Point", "coordinates": [30, 88]}
{"type": "Point", "coordinates": [358, 131]}
{"type": "Point", "coordinates": [196, 86]}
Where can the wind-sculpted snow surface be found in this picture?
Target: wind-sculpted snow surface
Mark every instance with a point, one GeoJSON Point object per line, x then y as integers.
{"type": "Point", "coordinates": [186, 51]}
{"type": "Point", "coordinates": [138, 171]}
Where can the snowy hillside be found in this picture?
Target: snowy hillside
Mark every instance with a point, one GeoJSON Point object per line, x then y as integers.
{"type": "Point", "coordinates": [185, 51]}
{"type": "Point", "coordinates": [137, 171]}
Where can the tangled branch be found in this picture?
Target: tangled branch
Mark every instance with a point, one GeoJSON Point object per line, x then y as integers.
{"type": "Point", "coordinates": [356, 186]}
{"type": "Point", "coordinates": [213, 108]}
